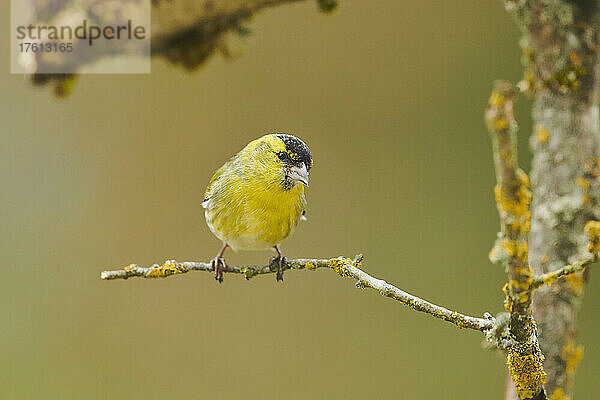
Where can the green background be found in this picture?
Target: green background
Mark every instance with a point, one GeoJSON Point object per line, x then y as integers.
{"type": "Point", "coordinates": [389, 96]}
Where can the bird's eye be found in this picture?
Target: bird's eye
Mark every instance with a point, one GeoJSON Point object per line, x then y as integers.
{"type": "Point", "coordinates": [282, 155]}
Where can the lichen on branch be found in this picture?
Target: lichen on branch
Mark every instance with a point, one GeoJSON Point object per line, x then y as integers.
{"type": "Point", "coordinates": [513, 198]}
{"type": "Point", "coordinates": [560, 45]}
{"type": "Point", "coordinates": [344, 267]}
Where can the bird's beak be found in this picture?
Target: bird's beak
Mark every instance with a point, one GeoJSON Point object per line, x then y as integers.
{"type": "Point", "coordinates": [299, 174]}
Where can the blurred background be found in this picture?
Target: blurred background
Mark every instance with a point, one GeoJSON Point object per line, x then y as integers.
{"type": "Point", "coordinates": [389, 98]}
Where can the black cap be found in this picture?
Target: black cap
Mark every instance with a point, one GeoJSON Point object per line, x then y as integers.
{"type": "Point", "coordinates": [298, 150]}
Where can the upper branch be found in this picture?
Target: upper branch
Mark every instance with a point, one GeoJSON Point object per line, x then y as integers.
{"type": "Point", "coordinates": [550, 277]}
{"type": "Point", "coordinates": [592, 230]}
{"type": "Point", "coordinates": [185, 32]}
{"type": "Point", "coordinates": [343, 266]}
{"type": "Point", "coordinates": [513, 198]}
{"type": "Point", "coordinates": [525, 358]}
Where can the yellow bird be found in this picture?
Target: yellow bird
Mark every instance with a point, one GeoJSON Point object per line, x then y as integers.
{"type": "Point", "coordinates": [256, 199]}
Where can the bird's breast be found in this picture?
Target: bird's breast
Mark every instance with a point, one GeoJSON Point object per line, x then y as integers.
{"type": "Point", "coordinates": [256, 218]}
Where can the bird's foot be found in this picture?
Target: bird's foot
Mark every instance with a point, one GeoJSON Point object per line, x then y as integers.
{"type": "Point", "coordinates": [280, 261]}
{"type": "Point", "coordinates": [218, 264]}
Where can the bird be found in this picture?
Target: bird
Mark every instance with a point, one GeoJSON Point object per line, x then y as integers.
{"type": "Point", "coordinates": [255, 200]}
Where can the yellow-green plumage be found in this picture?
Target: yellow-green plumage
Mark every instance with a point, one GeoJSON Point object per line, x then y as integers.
{"type": "Point", "coordinates": [247, 204]}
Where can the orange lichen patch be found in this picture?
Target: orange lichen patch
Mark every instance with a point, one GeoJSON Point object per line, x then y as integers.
{"type": "Point", "coordinates": [525, 274]}
{"type": "Point", "coordinates": [515, 249]}
{"type": "Point", "coordinates": [310, 266]}
{"type": "Point", "coordinates": [525, 364]}
{"type": "Point", "coordinates": [571, 355]}
{"type": "Point", "coordinates": [339, 265]}
{"type": "Point", "coordinates": [576, 283]}
{"type": "Point", "coordinates": [542, 134]}
{"type": "Point", "coordinates": [574, 58]}
{"type": "Point", "coordinates": [583, 183]}
{"type": "Point", "coordinates": [508, 303]}
{"type": "Point", "coordinates": [514, 207]}
{"type": "Point", "coordinates": [550, 279]}
{"type": "Point", "coordinates": [501, 123]}
{"type": "Point", "coordinates": [496, 99]}
{"type": "Point", "coordinates": [170, 267]}
{"type": "Point", "coordinates": [559, 394]}
{"type": "Point", "coordinates": [592, 230]}
{"type": "Point", "coordinates": [586, 199]}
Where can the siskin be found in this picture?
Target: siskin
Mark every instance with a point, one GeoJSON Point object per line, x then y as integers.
{"type": "Point", "coordinates": [256, 199]}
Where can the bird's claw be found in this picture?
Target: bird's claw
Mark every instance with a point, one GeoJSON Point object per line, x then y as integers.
{"type": "Point", "coordinates": [281, 261]}
{"type": "Point", "coordinates": [218, 264]}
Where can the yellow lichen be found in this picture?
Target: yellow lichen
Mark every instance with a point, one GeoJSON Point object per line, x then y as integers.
{"type": "Point", "coordinates": [514, 207]}
{"type": "Point", "coordinates": [583, 183]}
{"type": "Point", "coordinates": [170, 267]}
{"type": "Point", "coordinates": [569, 77]}
{"type": "Point", "coordinates": [516, 249]}
{"type": "Point", "coordinates": [592, 230]}
{"type": "Point", "coordinates": [586, 199]}
{"type": "Point", "coordinates": [542, 134]}
{"type": "Point", "coordinates": [525, 364]}
{"type": "Point", "coordinates": [496, 99]}
{"type": "Point", "coordinates": [576, 283]}
{"type": "Point", "coordinates": [508, 303]}
{"type": "Point", "coordinates": [501, 123]}
{"type": "Point", "coordinates": [559, 394]}
{"type": "Point", "coordinates": [310, 266]}
{"type": "Point", "coordinates": [518, 285]}
{"type": "Point", "coordinates": [550, 279]}
{"type": "Point", "coordinates": [339, 265]}
{"type": "Point", "coordinates": [571, 354]}
{"type": "Point", "coordinates": [574, 58]}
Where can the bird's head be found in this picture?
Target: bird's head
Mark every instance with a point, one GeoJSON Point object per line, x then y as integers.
{"type": "Point", "coordinates": [280, 158]}
{"type": "Point", "coordinates": [295, 159]}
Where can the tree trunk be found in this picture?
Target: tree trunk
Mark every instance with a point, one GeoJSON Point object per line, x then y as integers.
{"type": "Point", "coordinates": [560, 49]}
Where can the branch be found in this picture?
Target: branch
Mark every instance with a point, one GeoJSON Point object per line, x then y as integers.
{"type": "Point", "coordinates": [551, 277]}
{"type": "Point", "coordinates": [185, 32]}
{"type": "Point", "coordinates": [513, 198]}
{"type": "Point", "coordinates": [525, 358]}
{"type": "Point", "coordinates": [345, 267]}
{"type": "Point", "coordinates": [592, 230]}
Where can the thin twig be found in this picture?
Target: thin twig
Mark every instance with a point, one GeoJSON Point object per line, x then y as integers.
{"type": "Point", "coordinates": [551, 277]}
{"type": "Point", "coordinates": [343, 266]}
{"type": "Point", "coordinates": [592, 231]}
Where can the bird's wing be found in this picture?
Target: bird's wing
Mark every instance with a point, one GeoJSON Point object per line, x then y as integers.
{"type": "Point", "coordinates": [211, 185]}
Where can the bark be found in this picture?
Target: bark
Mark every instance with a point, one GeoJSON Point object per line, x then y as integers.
{"type": "Point", "coordinates": [560, 52]}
